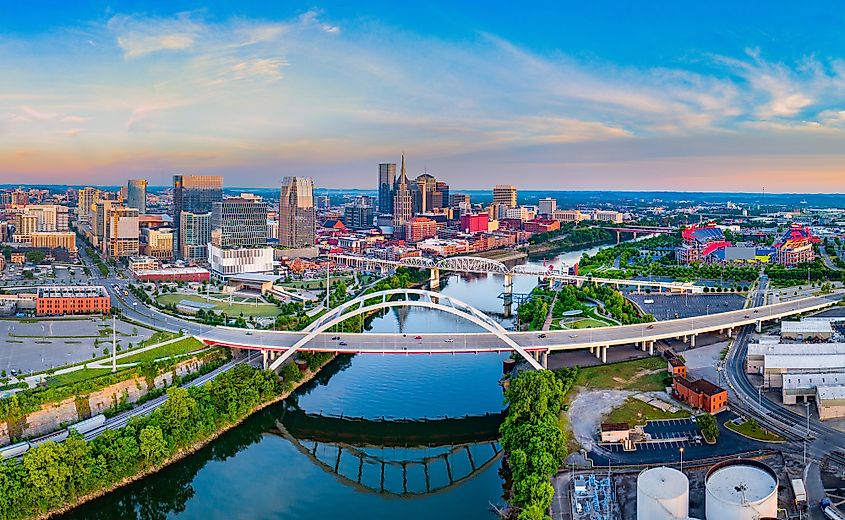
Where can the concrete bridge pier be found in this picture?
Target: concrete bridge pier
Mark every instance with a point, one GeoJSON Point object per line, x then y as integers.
{"type": "Point", "coordinates": [434, 279]}
{"type": "Point", "coordinates": [651, 348]}
{"type": "Point", "coordinates": [604, 354]}
{"type": "Point", "coordinates": [759, 326]}
{"type": "Point", "coordinates": [729, 332]}
{"type": "Point", "coordinates": [618, 237]}
{"type": "Point", "coordinates": [264, 360]}
{"type": "Point", "coordinates": [692, 340]}
{"type": "Point", "coordinates": [544, 359]}
{"type": "Point", "coordinates": [507, 295]}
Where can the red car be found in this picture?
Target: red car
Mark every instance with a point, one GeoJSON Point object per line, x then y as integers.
{"type": "Point", "coordinates": [418, 337]}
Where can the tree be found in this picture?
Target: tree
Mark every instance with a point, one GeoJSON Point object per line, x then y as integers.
{"type": "Point", "coordinates": [708, 426]}
{"type": "Point", "coordinates": [152, 445]}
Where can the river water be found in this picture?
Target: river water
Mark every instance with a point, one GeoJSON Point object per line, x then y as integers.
{"type": "Point", "coordinates": [389, 436]}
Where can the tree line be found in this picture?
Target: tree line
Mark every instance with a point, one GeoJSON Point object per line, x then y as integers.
{"type": "Point", "coordinates": [53, 475]}
{"type": "Point", "coordinates": [533, 441]}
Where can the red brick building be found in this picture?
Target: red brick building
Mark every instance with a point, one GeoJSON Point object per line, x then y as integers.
{"type": "Point", "coordinates": [56, 301]}
{"type": "Point", "coordinates": [677, 367]}
{"type": "Point", "coordinates": [173, 274]}
{"type": "Point", "coordinates": [476, 223]}
{"type": "Point", "coordinates": [540, 225]}
{"type": "Point", "coordinates": [700, 394]}
{"type": "Point", "coordinates": [420, 228]}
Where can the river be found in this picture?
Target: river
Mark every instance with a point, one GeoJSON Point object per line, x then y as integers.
{"type": "Point", "coordinates": [415, 437]}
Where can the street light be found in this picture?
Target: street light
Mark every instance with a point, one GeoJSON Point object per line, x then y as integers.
{"type": "Point", "coordinates": [682, 459]}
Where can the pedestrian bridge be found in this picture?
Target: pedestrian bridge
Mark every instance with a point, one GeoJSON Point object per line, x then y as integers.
{"type": "Point", "coordinates": [490, 336]}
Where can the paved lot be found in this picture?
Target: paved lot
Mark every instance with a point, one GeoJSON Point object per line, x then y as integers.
{"type": "Point", "coordinates": [687, 306]}
{"type": "Point", "coordinates": [34, 346]}
{"type": "Point", "coordinates": [672, 428]}
{"type": "Point", "coordinates": [669, 451]}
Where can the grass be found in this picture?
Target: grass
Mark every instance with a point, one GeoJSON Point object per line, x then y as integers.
{"type": "Point", "coordinates": [752, 429]}
{"type": "Point", "coordinates": [586, 323]}
{"type": "Point", "coordinates": [634, 412]}
{"type": "Point", "coordinates": [158, 337]}
{"type": "Point", "coordinates": [643, 375]}
{"type": "Point", "coordinates": [261, 310]}
{"type": "Point", "coordinates": [318, 283]}
{"type": "Point", "coordinates": [76, 376]}
{"type": "Point", "coordinates": [176, 348]}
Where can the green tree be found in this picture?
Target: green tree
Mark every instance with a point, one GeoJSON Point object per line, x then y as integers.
{"type": "Point", "coordinates": [152, 446]}
{"type": "Point", "coordinates": [708, 426]}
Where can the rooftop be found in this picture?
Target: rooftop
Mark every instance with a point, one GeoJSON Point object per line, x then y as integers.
{"type": "Point", "coordinates": [795, 349]}
{"type": "Point", "coordinates": [830, 392]}
{"type": "Point", "coordinates": [805, 362]}
{"type": "Point", "coordinates": [89, 291]}
{"type": "Point", "coordinates": [804, 326]}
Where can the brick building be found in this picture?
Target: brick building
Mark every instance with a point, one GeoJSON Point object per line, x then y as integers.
{"type": "Point", "coordinates": [56, 300]}
{"type": "Point", "coordinates": [701, 394]}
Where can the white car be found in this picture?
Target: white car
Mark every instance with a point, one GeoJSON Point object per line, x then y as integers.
{"type": "Point", "coordinates": [449, 340]}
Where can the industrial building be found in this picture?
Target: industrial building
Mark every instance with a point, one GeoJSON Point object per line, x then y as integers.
{"type": "Point", "coordinates": [814, 330]}
{"type": "Point", "coordinates": [755, 362]}
{"type": "Point", "coordinates": [700, 393]}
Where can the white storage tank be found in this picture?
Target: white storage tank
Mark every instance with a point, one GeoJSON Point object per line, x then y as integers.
{"type": "Point", "coordinates": [741, 490]}
{"type": "Point", "coordinates": [662, 494]}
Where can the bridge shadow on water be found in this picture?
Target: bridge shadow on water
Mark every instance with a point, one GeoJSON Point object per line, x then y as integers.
{"type": "Point", "coordinates": [395, 458]}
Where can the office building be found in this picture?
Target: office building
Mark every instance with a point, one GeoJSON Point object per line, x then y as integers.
{"type": "Point", "coordinates": [505, 194]}
{"type": "Point", "coordinates": [548, 206]}
{"type": "Point", "coordinates": [195, 232]}
{"type": "Point", "coordinates": [297, 215]}
{"type": "Point", "coordinates": [607, 216]}
{"type": "Point", "coordinates": [25, 225]}
{"type": "Point", "coordinates": [440, 197]}
{"type": "Point", "coordinates": [123, 232]}
{"type": "Point", "coordinates": [475, 223]}
{"type": "Point", "coordinates": [100, 221]}
{"type": "Point", "coordinates": [158, 243]}
{"type": "Point", "coordinates": [85, 202]}
{"type": "Point", "coordinates": [230, 261]}
{"type": "Point", "coordinates": [136, 195]}
{"type": "Point", "coordinates": [456, 200]}
{"type": "Point", "coordinates": [194, 194]}
{"type": "Point", "coordinates": [420, 228]}
{"type": "Point", "coordinates": [358, 217]}
{"type": "Point", "coordinates": [239, 222]}
{"type": "Point", "coordinates": [403, 201]}
{"type": "Point", "coordinates": [569, 215]}
{"type": "Point", "coordinates": [386, 180]}
{"type": "Point", "coordinates": [54, 240]}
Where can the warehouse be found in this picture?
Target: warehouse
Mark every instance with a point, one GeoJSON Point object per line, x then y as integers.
{"type": "Point", "coordinates": [806, 330]}
{"type": "Point", "coordinates": [756, 354]}
{"type": "Point", "coordinates": [830, 401]}
{"type": "Point", "coordinates": [803, 386]}
{"type": "Point", "coordinates": [777, 366]}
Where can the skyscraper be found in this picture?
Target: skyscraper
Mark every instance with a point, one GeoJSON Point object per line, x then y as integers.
{"type": "Point", "coordinates": [240, 222]}
{"type": "Point", "coordinates": [423, 189]}
{"type": "Point", "coordinates": [194, 233]}
{"type": "Point", "coordinates": [386, 180]}
{"type": "Point", "coordinates": [194, 194]}
{"type": "Point", "coordinates": [87, 197]}
{"type": "Point", "coordinates": [403, 201]}
{"type": "Point", "coordinates": [505, 194]}
{"type": "Point", "coordinates": [122, 232]}
{"type": "Point", "coordinates": [297, 216]}
{"type": "Point", "coordinates": [137, 195]}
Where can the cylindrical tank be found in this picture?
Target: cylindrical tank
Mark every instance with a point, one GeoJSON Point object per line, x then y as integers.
{"type": "Point", "coordinates": [662, 494]}
{"type": "Point", "coordinates": [740, 490]}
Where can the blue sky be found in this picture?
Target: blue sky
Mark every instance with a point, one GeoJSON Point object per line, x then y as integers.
{"type": "Point", "coordinates": [564, 95]}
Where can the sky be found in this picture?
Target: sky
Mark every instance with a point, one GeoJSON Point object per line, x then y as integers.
{"type": "Point", "coordinates": [622, 95]}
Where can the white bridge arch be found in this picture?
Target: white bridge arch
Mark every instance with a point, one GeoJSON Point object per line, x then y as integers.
{"type": "Point", "coordinates": [384, 300]}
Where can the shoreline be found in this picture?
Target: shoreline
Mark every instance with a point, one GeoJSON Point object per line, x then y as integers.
{"type": "Point", "coordinates": [184, 453]}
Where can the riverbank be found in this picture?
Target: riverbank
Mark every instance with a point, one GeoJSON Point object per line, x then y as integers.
{"type": "Point", "coordinates": [187, 451]}
{"type": "Point", "coordinates": [546, 249]}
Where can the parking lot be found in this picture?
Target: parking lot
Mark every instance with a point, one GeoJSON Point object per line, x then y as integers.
{"type": "Point", "coordinates": [672, 306]}
{"type": "Point", "coordinates": [669, 447]}
{"type": "Point", "coordinates": [27, 345]}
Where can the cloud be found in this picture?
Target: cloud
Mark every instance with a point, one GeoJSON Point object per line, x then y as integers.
{"type": "Point", "coordinates": [267, 68]}
{"type": "Point", "coordinates": [73, 132]}
{"type": "Point", "coordinates": [37, 114]}
{"type": "Point", "coordinates": [311, 18]}
{"type": "Point", "coordinates": [139, 37]}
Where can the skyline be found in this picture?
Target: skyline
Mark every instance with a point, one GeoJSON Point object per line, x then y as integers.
{"type": "Point", "coordinates": [575, 97]}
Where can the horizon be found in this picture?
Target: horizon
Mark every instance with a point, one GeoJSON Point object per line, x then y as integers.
{"type": "Point", "coordinates": [560, 97]}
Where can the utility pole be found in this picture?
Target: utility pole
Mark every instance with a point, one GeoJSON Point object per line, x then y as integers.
{"type": "Point", "coordinates": [328, 282]}
{"type": "Point", "coordinates": [113, 343]}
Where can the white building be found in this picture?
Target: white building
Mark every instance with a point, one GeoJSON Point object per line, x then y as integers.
{"type": "Point", "coordinates": [806, 329]}
{"type": "Point", "coordinates": [548, 206]}
{"type": "Point", "coordinates": [830, 401]}
{"type": "Point", "coordinates": [226, 262]}
{"type": "Point", "coordinates": [522, 213]}
{"type": "Point", "coordinates": [757, 352]}
{"type": "Point", "coordinates": [804, 386]}
{"type": "Point", "coordinates": [607, 216]}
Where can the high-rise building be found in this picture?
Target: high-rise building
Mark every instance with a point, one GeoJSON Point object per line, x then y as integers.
{"type": "Point", "coordinates": [55, 240]}
{"type": "Point", "coordinates": [423, 189]}
{"type": "Point", "coordinates": [230, 261]}
{"type": "Point", "coordinates": [505, 194]}
{"type": "Point", "coordinates": [456, 199]}
{"type": "Point", "coordinates": [239, 222]}
{"type": "Point", "coordinates": [548, 206]}
{"type": "Point", "coordinates": [194, 194]}
{"type": "Point", "coordinates": [358, 217]}
{"type": "Point", "coordinates": [123, 232]}
{"type": "Point", "coordinates": [194, 233]}
{"type": "Point", "coordinates": [136, 196]}
{"type": "Point", "coordinates": [100, 221]}
{"type": "Point", "coordinates": [420, 228]}
{"type": "Point", "coordinates": [85, 202]}
{"type": "Point", "coordinates": [440, 197]}
{"type": "Point", "coordinates": [25, 225]}
{"type": "Point", "coordinates": [403, 201]}
{"type": "Point", "coordinates": [386, 180]}
{"type": "Point", "coordinates": [297, 216]}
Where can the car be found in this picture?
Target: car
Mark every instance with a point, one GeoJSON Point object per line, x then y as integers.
{"type": "Point", "coordinates": [449, 340]}
{"type": "Point", "coordinates": [335, 338]}
{"type": "Point", "coordinates": [249, 333]}
{"type": "Point", "coordinates": [650, 327]}
{"type": "Point", "coordinates": [747, 316]}
{"type": "Point", "coordinates": [342, 343]}
{"type": "Point", "coordinates": [417, 337]}
{"type": "Point", "coordinates": [541, 335]}
{"type": "Point", "coordinates": [756, 311]}
{"type": "Point", "coordinates": [573, 335]}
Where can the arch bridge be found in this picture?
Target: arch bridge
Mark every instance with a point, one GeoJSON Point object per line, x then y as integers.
{"type": "Point", "coordinates": [391, 298]}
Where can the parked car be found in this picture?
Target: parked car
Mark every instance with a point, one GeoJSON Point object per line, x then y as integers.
{"type": "Point", "coordinates": [543, 335]}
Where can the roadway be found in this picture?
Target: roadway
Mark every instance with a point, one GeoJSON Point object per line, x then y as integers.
{"type": "Point", "coordinates": [429, 343]}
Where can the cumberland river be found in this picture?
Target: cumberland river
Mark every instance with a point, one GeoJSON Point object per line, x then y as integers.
{"type": "Point", "coordinates": [404, 437]}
